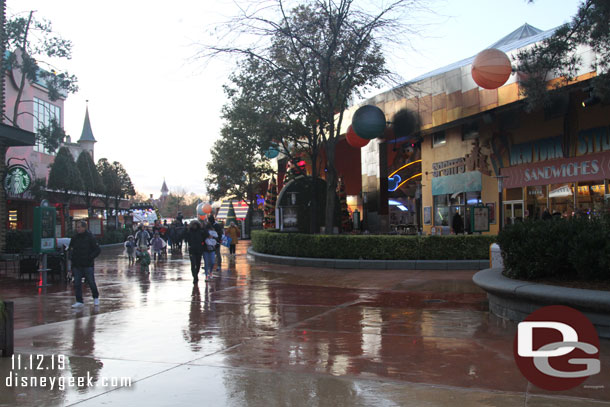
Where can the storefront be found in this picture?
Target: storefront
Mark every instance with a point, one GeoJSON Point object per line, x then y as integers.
{"type": "Point", "coordinates": [566, 187]}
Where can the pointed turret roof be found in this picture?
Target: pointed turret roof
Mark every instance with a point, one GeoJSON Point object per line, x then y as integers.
{"type": "Point", "coordinates": [164, 188]}
{"type": "Point", "coordinates": [87, 134]}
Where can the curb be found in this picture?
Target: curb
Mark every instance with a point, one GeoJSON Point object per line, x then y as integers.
{"type": "Point", "coordinates": [372, 264]}
{"type": "Point", "coordinates": [516, 299]}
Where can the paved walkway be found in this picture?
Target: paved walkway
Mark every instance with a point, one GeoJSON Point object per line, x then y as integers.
{"type": "Point", "coordinates": [271, 335]}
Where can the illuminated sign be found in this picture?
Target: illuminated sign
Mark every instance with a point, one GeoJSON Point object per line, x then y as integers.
{"type": "Point", "coordinates": [17, 180]}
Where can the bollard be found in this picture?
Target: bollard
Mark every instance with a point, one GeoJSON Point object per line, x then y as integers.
{"type": "Point", "coordinates": [495, 256]}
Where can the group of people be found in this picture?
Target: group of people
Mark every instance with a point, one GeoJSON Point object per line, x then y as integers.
{"type": "Point", "coordinates": [137, 246]}
{"type": "Point", "coordinates": [202, 238]}
{"type": "Point", "coordinates": [204, 241]}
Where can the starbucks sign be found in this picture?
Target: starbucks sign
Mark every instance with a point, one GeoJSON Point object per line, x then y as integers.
{"type": "Point", "coordinates": [17, 180]}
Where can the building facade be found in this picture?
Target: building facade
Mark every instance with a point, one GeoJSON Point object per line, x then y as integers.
{"type": "Point", "coordinates": [482, 152]}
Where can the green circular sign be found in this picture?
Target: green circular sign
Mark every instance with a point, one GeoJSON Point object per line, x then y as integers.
{"type": "Point", "coordinates": [17, 180]}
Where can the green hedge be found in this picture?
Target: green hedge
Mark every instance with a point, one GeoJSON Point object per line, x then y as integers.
{"type": "Point", "coordinates": [373, 247]}
{"type": "Point", "coordinates": [562, 248]}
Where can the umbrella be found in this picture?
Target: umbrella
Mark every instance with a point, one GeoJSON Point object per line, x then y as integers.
{"type": "Point", "coordinates": [270, 200]}
{"type": "Point", "coordinates": [343, 202]}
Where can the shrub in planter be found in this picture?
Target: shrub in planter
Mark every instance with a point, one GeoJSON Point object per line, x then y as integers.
{"type": "Point", "coordinates": [562, 248]}
{"type": "Point", "coordinates": [372, 247]}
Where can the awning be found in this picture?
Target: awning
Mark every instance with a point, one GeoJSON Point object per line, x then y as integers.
{"type": "Point", "coordinates": [241, 210]}
{"type": "Point", "coordinates": [471, 181]}
{"type": "Point", "coordinates": [14, 136]}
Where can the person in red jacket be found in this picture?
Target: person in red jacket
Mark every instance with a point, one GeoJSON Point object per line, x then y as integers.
{"type": "Point", "coordinates": [83, 250]}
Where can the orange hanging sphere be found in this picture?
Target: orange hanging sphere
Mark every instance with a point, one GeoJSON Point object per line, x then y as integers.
{"type": "Point", "coordinates": [354, 140]}
{"type": "Point", "coordinates": [491, 68]}
{"type": "Point", "coordinates": [207, 208]}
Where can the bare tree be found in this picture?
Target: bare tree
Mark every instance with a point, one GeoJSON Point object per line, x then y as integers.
{"type": "Point", "coordinates": [320, 55]}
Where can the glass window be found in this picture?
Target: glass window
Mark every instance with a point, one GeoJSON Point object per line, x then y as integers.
{"type": "Point", "coordinates": [514, 194]}
{"type": "Point", "coordinates": [562, 199]}
{"type": "Point", "coordinates": [441, 210]}
{"type": "Point", "coordinates": [44, 112]}
{"type": "Point", "coordinates": [438, 139]}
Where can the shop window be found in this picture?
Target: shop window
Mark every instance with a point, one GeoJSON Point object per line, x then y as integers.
{"type": "Point", "coordinates": [12, 219]}
{"type": "Point", "coordinates": [562, 199]}
{"type": "Point", "coordinates": [590, 199]}
{"type": "Point", "coordinates": [473, 198]}
{"type": "Point", "coordinates": [514, 194]}
{"type": "Point", "coordinates": [438, 139]}
{"type": "Point", "coordinates": [441, 210]}
{"type": "Point", "coordinates": [536, 201]}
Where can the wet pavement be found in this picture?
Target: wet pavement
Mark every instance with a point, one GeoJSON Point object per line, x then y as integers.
{"type": "Point", "coordinates": [269, 335]}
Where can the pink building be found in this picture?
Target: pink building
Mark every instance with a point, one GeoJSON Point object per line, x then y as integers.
{"type": "Point", "coordinates": [32, 162]}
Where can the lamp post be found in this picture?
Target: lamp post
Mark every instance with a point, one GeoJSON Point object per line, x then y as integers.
{"type": "Point", "coordinates": [500, 179]}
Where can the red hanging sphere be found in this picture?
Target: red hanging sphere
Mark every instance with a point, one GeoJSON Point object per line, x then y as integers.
{"type": "Point", "coordinates": [491, 68]}
{"type": "Point", "coordinates": [354, 140]}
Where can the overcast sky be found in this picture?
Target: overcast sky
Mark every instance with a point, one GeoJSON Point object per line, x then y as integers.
{"type": "Point", "coordinates": [156, 110]}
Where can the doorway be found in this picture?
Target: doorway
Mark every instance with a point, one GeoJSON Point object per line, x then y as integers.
{"type": "Point", "coordinates": [513, 212]}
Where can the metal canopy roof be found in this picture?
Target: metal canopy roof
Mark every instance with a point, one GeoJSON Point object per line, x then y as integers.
{"type": "Point", "coordinates": [14, 136]}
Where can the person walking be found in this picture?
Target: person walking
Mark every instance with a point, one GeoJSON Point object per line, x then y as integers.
{"type": "Point", "coordinates": [195, 238]}
{"type": "Point", "coordinates": [233, 233]}
{"type": "Point", "coordinates": [218, 229]}
{"type": "Point", "coordinates": [157, 246]}
{"type": "Point", "coordinates": [130, 248]}
{"type": "Point", "coordinates": [457, 224]}
{"type": "Point", "coordinates": [83, 250]}
{"type": "Point", "coordinates": [142, 238]}
{"type": "Point", "coordinates": [209, 250]}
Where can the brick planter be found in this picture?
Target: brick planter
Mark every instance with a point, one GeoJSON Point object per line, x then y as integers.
{"type": "Point", "coordinates": [6, 330]}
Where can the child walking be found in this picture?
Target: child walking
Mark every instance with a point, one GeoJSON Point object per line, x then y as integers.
{"type": "Point", "coordinates": [130, 249]}
{"type": "Point", "coordinates": [157, 246]}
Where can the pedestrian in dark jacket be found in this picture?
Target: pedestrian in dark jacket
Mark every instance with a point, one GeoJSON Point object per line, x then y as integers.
{"type": "Point", "coordinates": [195, 237]}
{"type": "Point", "coordinates": [457, 224]}
{"type": "Point", "coordinates": [83, 250]}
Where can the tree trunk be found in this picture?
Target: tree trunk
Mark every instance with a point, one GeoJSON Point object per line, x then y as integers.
{"type": "Point", "coordinates": [23, 75]}
{"type": "Point", "coordinates": [331, 186]}
{"type": "Point", "coordinates": [3, 207]}
{"type": "Point", "coordinates": [313, 210]}
{"type": "Point", "coordinates": [67, 221]}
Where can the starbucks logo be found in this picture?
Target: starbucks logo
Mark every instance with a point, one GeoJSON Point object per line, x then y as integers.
{"type": "Point", "coordinates": [17, 180]}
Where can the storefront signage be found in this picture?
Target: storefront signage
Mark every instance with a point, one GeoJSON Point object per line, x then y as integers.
{"type": "Point", "coordinates": [593, 140]}
{"type": "Point", "coordinates": [534, 151]}
{"type": "Point", "coordinates": [449, 167]}
{"type": "Point", "coordinates": [592, 167]}
{"type": "Point", "coordinates": [44, 229]}
{"type": "Point", "coordinates": [17, 180]}
{"type": "Point", "coordinates": [479, 218]}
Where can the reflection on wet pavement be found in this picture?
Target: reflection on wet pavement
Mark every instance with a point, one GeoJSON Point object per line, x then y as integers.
{"type": "Point", "coordinates": [264, 334]}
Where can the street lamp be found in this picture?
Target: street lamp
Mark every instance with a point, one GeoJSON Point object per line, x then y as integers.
{"type": "Point", "coordinates": [500, 179]}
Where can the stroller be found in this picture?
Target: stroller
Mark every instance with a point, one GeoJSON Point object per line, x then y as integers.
{"type": "Point", "coordinates": [143, 257]}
